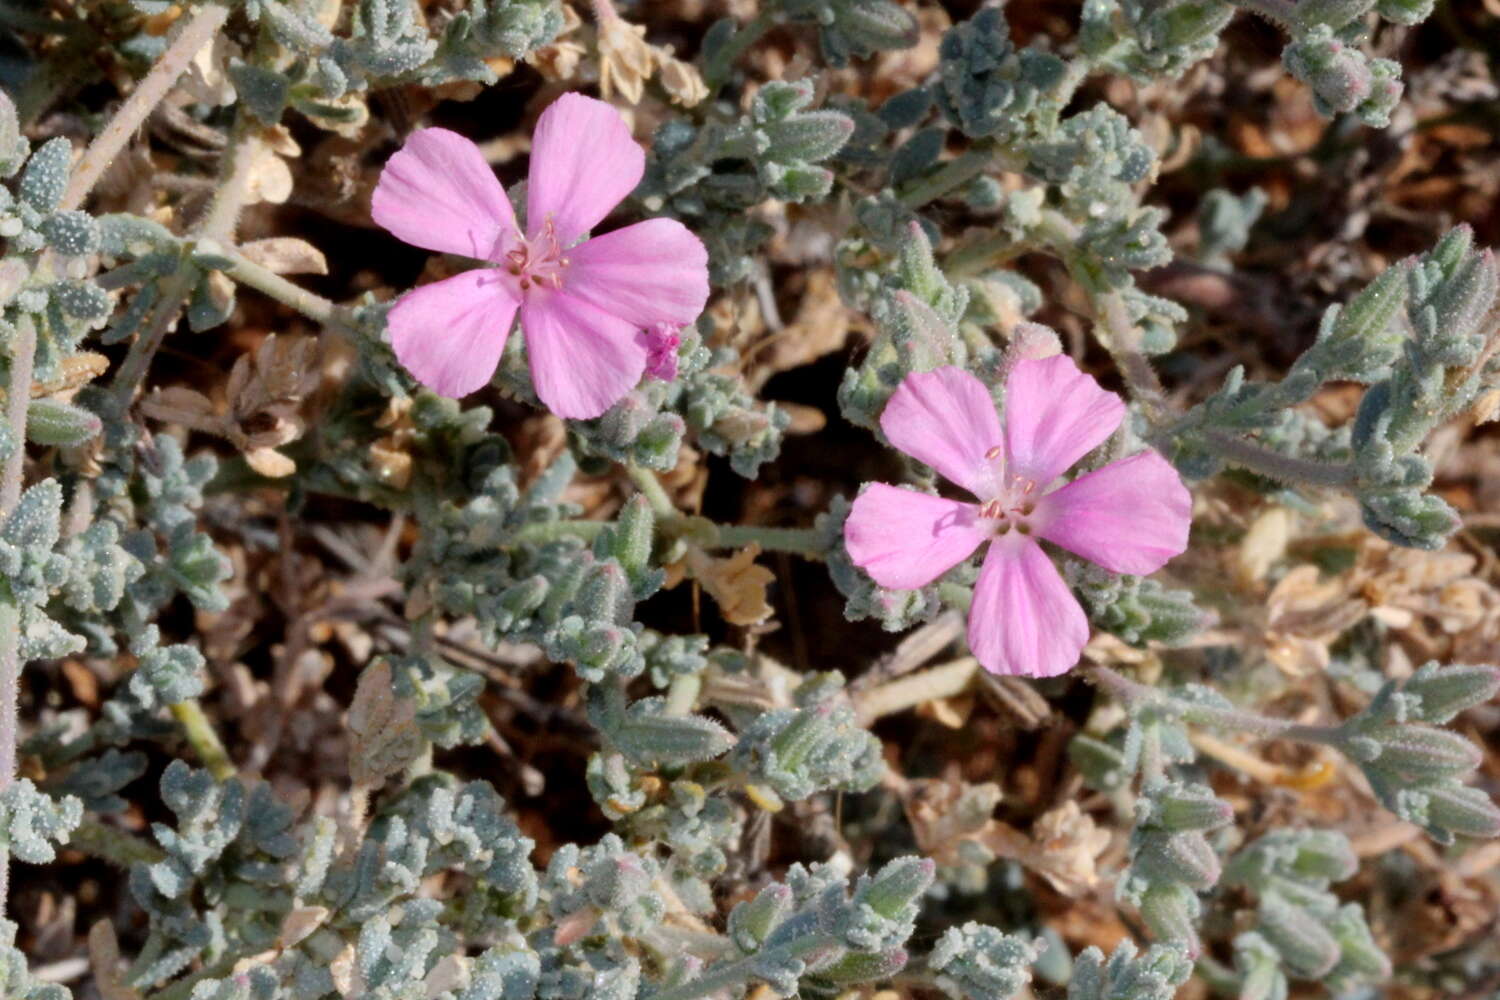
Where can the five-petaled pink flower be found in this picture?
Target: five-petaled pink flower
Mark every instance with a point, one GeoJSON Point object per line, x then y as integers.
{"type": "Point", "coordinates": [1130, 516]}
{"type": "Point", "coordinates": [585, 308]}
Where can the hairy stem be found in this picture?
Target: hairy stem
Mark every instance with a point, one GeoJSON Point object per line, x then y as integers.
{"type": "Point", "coordinates": [1136, 695]}
{"type": "Point", "coordinates": [954, 174]}
{"type": "Point", "coordinates": [651, 488]}
{"type": "Point", "coordinates": [17, 400]}
{"type": "Point", "coordinates": [1283, 468]}
{"type": "Point", "coordinates": [189, 34]}
{"type": "Point", "coordinates": [943, 681]}
{"type": "Point", "coordinates": [203, 738]}
{"type": "Point", "coordinates": [309, 304]}
{"type": "Point", "coordinates": [722, 977]}
{"type": "Point", "coordinates": [798, 541]}
{"type": "Point", "coordinates": [233, 186]}
{"type": "Point", "coordinates": [107, 843]}
{"type": "Point", "coordinates": [10, 674]}
{"type": "Point", "coordinates": [173, 292]}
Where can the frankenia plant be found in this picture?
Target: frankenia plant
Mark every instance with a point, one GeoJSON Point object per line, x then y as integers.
{"type": "Point", "coordinates": [596, 313]}
{"type": "Point", "coordinates": [1130, 516]}
{"type": "Point", "coordinates": [904, 191]}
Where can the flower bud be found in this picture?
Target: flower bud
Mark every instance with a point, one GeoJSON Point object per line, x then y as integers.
{"type": "Point", "coordinates": [1411, 752]}
{"type": "Point", "coordinates": [1338, 74]}
{"type": "Point", "coordinates": [897, 886]}
{"type": "Point", "coordinates": [1360, 956]}
{"type": "Point", "coordinates": [1462, 810]}
{"type": "Point", "coordinates": [1306, 945]}
{"type": "Point", "coordinates": [1183, 858]}
{"type": "Point", "coordinates": [1171, 911]}
{"type": "Point", "coordinates": [1443, 692]}
{"type": "Point", "coordinates": [751, 922]}
{"type": "Point", "coordinates": [865, 967]}
{"type": "Point", "coordinates": [53, 422]}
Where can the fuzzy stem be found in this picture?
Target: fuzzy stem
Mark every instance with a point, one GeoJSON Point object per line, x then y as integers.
{"type": "Point", "coordinates": [17, 400]}
{"type": "Point", "coordinates": [943, 681]}
{"type": "Point", "coordinates": [174, 291]}
{"type": "Point", "coordinates": [233, 185]}
{"type": "Point", "coordinates": [23, 354]}
{"type": "Point", "coordinates": [1135, 695]}
{"type": "Point", "coordinates": [683, 693]}
{"type": "Point", "coordinates": [723, 976]}
{"type": "Point", "coordinates": [1283, 468]}
{"type": "Point", "coordinates": [108, 843]}
{"type": "Point", "coordinates": [202, 737]}
{"type": "Point", "coordinates": [977, 257]}
{"type": "Point", "coordinates": [189, 35]}
{"type": "Point", "coordinates": [954, 174]}
{"type": "Point", "coordinates": [10, 674]}
{"type": "Point", "coordinates": [309, 304]}
{"type": "Point", "coordinates": [798, 541]}
{"type": "Point", "coordinates": [651, 488]}
{"type": "Point", "coordinates": [554, 531]}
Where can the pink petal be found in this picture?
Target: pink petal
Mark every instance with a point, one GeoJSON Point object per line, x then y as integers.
{"type": "Point", "coordinates": [652, 272]}
{"type": "Point", "coordinates": [907, 539]}
{"type": "Point", "coordinates": [583, 360]}
{"type": "Point", "coordinates": [437, 193]}
{"type": "Point", "coordinates": [583, 163]}
{"type": "Point", "coordinates": [1129, 517]}
{"type": "Point", "coordinates": [1024, 620]}
{"type": "Point", "coordinates": [946, 419]}
{"type": "Point", "coordinates": [450, 334]}
{"type": "Point", "coordinates": [1054, 415]}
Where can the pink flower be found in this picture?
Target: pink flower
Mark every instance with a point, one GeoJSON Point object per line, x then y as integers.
{"type": "Point", "coordinates": [584, 308]}
{"type": "Point", "coordinates": [1130, 516]}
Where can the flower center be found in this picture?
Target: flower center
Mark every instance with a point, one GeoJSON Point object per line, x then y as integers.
{"type": "Point", "coordinates": [1015, 501]}
{"type": "Point", "coordinates": [538, 261]}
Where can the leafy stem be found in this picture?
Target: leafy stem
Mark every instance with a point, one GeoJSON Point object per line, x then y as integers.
{"type": "Point", "coordinates": [742, 971]}
{"type": "Point", "coordinates": [189, 35]}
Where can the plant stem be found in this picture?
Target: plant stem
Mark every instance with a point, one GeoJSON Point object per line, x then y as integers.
{"type": "Point", "coordinates": [172, 293]}
{"type": "Point", "coordinates": [554, 531]}
{"type": "Point", "coordinates": [651, 488]}
{"type": "Point", "coordinates": [10, 674]}
{"type": "Point", "coordinates": [733, 973]}
{"type": "Point", "coordinates": [943, 681]}
{"type": "Point", "coordinates": [309, 304]}
{"type": "Point", "coordinates": [189, 35]}
{"type": "Point", "coordinates": [17, 400]}
{"type": "Point", "coordinates": [981, 255]}
{"type": "Point", "coordinates": [233, 185]}
{"type": "Point", "coordinates": [954, 174]}
{"type": "Point", "coordinates": [798, 541]}
{"type": "Point", "coordinates": [1284, 468]}
{"type": "Point", "coordinates": [202, 737]}
{"type": "Point", "coordinates": [716, 70]}
{"type": "Point", "coordinates": [1200, 713]}
{"type": "Point", "coordinates": [683, 693]}
{"type": "Point", "coordinates": [111, 844]}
